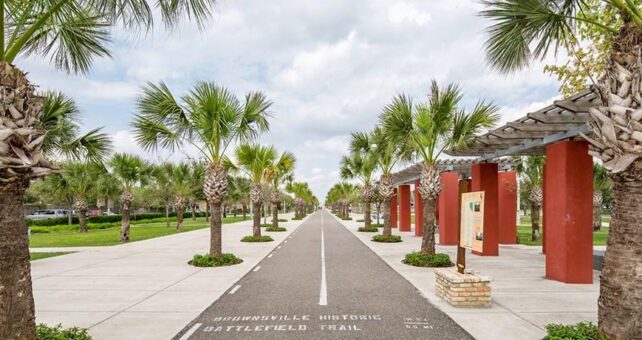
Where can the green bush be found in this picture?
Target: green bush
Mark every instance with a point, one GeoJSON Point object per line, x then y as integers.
{"type": "Point", "coordinates": [275, 229]}
{"type": "Point", "coordinates": [361, 220]}
{"type": "Point", "coordinates": [368, 230]}
{"type": "Point", "coordinates": [44, 332]}
{"type": "Point", "coordinates": [251, 238]}
{"type": "Point", "coordinates": [579, 331]}
{"type": "Point", "coordinates": [418, 259]}
{"type": "Point", "coordinates": [266, 225]}
{"type": "Point", "coordinates": [377, 225]}
{"type": "Point", "coordinates": [108, 218]}
{"type": "Point", "coordinates": [214, 261]}
{"type": "Point", "coordinates": [387, 239]}
{"type": "Point", "coordinates": [282, 220]}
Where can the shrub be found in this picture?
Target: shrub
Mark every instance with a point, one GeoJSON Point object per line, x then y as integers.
{"type": "Point", "coordinates": [347, 218]}
{"type": "Point", "coordinates": [297, 219]}
{"type": "Point", "coordinates": [377, 225]}
{"type": "Point", "coordinates": [251, 238]}
{"type": "Point", "coordinates": [282, 220]}
{"type": "Point", "coordinates": [275, 229]}
{"type": "Point", "coordinates": [368, 230]}
{"type": "Point", "coordinates": [361, 220]}
{"type": "Point", "coordinates": [44, 332]}
{"type": "Point", "coordinates": [418, 259]}
{"type": "Point", "coordinates": [108, 218]}
{"type": "Point", "coordinates": [214, 261]}
{"type": "Point", "coordinates": [387, 239]}
{"type": "Point", "coordinates": [267, 225]}
{"type": "Point", "coordinates": [579, 331]}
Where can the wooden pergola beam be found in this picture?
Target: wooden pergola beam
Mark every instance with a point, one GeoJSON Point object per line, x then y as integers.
{"type": "Point", "coordinates": [538, 127]}
{"type": "Point", "coordinates": [518, 134]}
{"type": "Point", "coordinates": [577, 118]}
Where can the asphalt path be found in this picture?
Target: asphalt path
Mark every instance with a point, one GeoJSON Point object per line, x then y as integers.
{"type": "Point", "coordinates": [322, 283]}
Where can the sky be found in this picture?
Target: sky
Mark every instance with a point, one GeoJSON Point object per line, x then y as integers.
{"type": "Point", "coordinates": [328, 66]}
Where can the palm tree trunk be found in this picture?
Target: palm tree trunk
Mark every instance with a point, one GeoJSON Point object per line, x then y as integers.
{"type": "Point", "coordinates": [244, 212]}
{"type": "Point", "coordinates": [17, 313]}
{"type": "Point", "coordinates": [256, 225]}
{"type": "Point", "coordinates": [167, 215]}
{"type": "Point", "coordinates": [387, 220]}
{"type": "Point", "coordinates": [207, 212]}
{"type": "Point", "coordinates": [126, 198]}
{"type": "Point", "coordinates": [180, 212]}
{"type": "Point", "coordinates": [70, 216]}
{"type": "Point", "coordinates": [366, 213]}
{"type": "Point", "coordinates": [378, 212]}
{"type": "Point", "coordinates": [534, 222]}
{"type": "Point", "coordinates": [428, 239]}
{"type": "Point", "coordinates": [193, 212]}
{"type": "Point", "coordinates": [620, 302]}
{"type": "Point", "coordinates": [82, 220]}
{"type": "Point", "coordinates": [275, 214]}
{"type": "Point", "coordinates": [216, 248]}
{"type": "Point", "coordinates": [597, 218]}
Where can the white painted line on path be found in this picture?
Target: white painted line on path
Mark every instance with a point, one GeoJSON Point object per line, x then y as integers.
{"type": "Point", "coordinates": [286, 241]}
{"type": "Point", "coordinates": [191, 331]}
{"type": "Point", "coordinates": [235, 289]}
{"type": "Point", "coordinates": [270, 255]}
{"type": "Point", "coordinates": [256, 269]}
{"type": "Point", "coordinates": [323, 294]}
{"type": "Point", "coordinates": [279, 247]}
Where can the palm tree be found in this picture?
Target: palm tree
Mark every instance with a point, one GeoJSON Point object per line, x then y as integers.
{"type": "Point", "coordinates": [161, 186]}
{"type": "Point", "coordinates": [130, 171]}
{"type": "Point", "coordinates": [601, 183]}
{"type": "Point", "coordinates": [361, 167]}
{"type": "Point", "coordinates": [179, 179]}
{"type": "Point", "coordinates": [196, 186]}
{"type": "Point", "coordinates": [617, 127]}
{"type": "Point", "coordinates": [386, 155]}
{"type": "Point", "coordinates": [426, 130]}
{"type": "Point", "coordinates": [81, 180]}
{"type": "Point", "coordinates": [255, 161]}
{"type": "Point", "coordinates": [278, 173]}
{"type": "Point", "coordinates": [70, 34]}
{"type": "Point", "coordinates": [302, 193]}
{"type": "Point", "coordinates": [532, 170]}
{"type": "Point", "coordinates": [105, 189]}
{"type": "Point", "coordinates": [210, 118]}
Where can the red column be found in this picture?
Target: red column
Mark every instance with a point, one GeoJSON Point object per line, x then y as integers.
{"type": "Point", "coordinates": [544, 214]}
{"type": "Point", "coordinates": [449, 209]}
{"type": "Point", "coordinates": [393, 210]}
{"type": "Point", "coordinates": [419, 211]}
{"type": "Point", "coordinates": [569, 235]}
{"type": "Point", "coordinates": [485, 179]}
{"type": "Point", "coordinates": [507, 206]}
{"type": "Point", "coordinates": [404, 207]}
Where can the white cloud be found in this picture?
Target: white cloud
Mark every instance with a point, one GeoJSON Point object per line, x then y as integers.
{"type": "Point", "coordinates": [328, 66]}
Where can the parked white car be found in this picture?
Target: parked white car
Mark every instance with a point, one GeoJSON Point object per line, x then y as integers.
{"type": "Point", "coordinates": [47, 213]}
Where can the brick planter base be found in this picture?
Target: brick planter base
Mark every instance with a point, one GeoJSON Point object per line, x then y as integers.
{"type": "Point", "coordinates": [463, 290]}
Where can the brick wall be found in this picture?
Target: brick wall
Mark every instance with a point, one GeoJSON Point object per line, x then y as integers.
{"type": "Point", "coordinates": [463, 290]}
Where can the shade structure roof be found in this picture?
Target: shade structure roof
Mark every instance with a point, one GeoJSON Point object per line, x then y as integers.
{"type": "Point", "coordinates": [565, 119]}
{"type": "Point", "coordinates": [460, 166]}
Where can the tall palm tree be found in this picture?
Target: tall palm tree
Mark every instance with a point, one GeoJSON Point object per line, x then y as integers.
{"type": "Point", "coordinates": [531, 168]}
{"type": "Point", "coordinates": [160, 185]}
{"type": "Point", "coordinates": [255, 161]}
{"type": "Point", "coordinates": [426, 130]}
{"type": "Point", "coordinates": [601, 183]}
{"type": "Point", "coordinates": [130, 171]}
{"type": "Point", "coordinates": [51, 132]}
{"type": "Point", "coordinates": [617, 125]}
{"type": "Point", "coordinates": [278, 173]}
{"type": "Point", "coordinates": [386, 155]}
{"type": "Point", "coordinates": [70, 34]}
{"type": "Point", "coordinates": [361, 167]}
{"type": "Point", "coordinates": [210, 118]}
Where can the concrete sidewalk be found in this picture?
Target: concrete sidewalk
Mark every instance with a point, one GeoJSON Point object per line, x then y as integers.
{"type": "Point", "coordinates": [145, 289]}
{"type": "Point", "coordinates": [523, 300]}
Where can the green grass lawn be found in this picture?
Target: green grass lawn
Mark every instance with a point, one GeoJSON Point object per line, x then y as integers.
{"type": "Point", "coordinates": [38, 256]}
{"type": "Point", "coordinates": [524, 233]}
{"type": "Point", "coordinates": [110, 236]}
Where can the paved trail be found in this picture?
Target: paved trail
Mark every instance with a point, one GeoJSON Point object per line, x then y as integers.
{"type": "Point", "coordinates": [322, 283]}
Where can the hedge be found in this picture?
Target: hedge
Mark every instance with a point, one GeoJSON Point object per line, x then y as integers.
{"type": "Point", "coordinates": [105, 218]}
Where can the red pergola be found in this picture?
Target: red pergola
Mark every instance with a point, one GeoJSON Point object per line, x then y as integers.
{"type": "Point", "coordinates": [555, 131]}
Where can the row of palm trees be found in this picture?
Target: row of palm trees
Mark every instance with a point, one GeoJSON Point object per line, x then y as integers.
{"type": "Point", "coordinates": [407, 132]}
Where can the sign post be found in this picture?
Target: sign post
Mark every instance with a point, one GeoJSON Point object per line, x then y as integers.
{"type": "Point", "coordinates": [471, 229]}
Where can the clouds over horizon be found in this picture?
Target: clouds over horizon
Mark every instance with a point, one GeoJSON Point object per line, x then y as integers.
{"type": "Point", "coordinates": [328, 66]}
